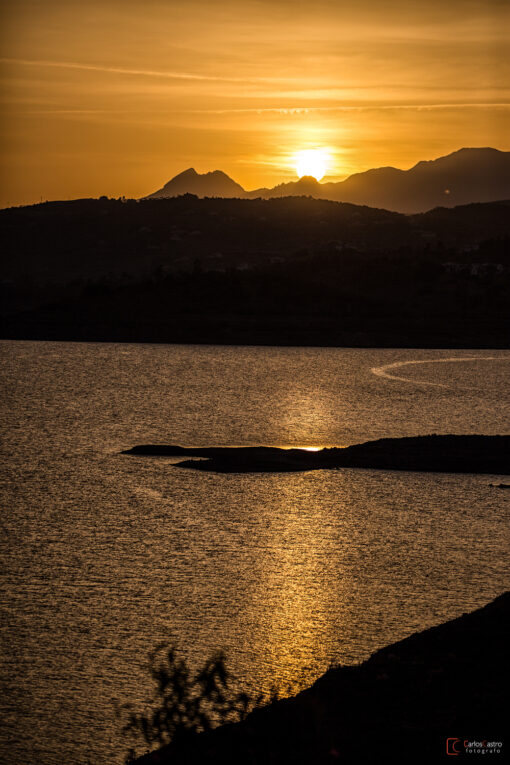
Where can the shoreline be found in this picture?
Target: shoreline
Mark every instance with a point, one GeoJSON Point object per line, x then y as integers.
{"type": "Point", "coordinates": [36, 329]}
{"type": "Point", "coordinates": [446, 682]}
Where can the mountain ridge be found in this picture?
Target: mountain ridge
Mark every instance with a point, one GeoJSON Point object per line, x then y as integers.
{"type": "Point", "coordinates": [467, 175]}
{"type": "Point", "coordinates": [215, 183]}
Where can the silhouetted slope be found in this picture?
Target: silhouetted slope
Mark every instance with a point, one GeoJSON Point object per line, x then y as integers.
{"type": "Point", "coordinates": [290, 271]}
{"type": "Point", "coordinates": [215, 184]}
{"type": "Point", "coordinates": [465, 176]}
{"type": "Point", "coordinates": [450, 681]}
{"type": "Point", "coordinates": [58, 240]}
{"type": "Point", "coordinates": [459, 226]}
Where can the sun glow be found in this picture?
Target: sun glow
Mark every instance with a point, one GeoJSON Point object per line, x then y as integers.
{"type": "Point", "coordinates": [312, 162]}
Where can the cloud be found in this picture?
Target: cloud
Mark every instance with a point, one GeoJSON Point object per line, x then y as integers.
{"type": "Point", "coordinates": [140, 72]}
{"type": "Point", "coordinates": [362, 108]}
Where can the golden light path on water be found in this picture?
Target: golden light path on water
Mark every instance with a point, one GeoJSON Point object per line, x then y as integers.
{"type": "Point", "coordinates": [107, 555]}
{"type": "Point", "coordinates": [383, 371]}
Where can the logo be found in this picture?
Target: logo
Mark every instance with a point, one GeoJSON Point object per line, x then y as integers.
{"type": "Point", "coordinates": [456, 746]}
{"type": "Point", "coordinates": [453, 746]}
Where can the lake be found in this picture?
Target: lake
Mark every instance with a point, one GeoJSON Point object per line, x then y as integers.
{"type": "Point", "coordinates": [106, 555]}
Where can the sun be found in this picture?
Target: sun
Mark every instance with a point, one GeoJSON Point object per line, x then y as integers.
{"type": "Point", "coordinates": [312, 162]}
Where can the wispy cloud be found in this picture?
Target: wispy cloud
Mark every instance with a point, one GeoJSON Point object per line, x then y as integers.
{"type": "Point", "coordinates": [140, 72]}
{"type": "Point", "coordinates": [283, 111]}
{"type": "Point", "coordinates": [352, 108]}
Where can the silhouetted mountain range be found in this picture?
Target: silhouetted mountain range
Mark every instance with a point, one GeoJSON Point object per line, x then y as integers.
{"type": "Point", "coordinates": [465, 176]}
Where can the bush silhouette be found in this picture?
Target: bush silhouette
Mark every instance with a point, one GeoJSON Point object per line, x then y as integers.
{"type": "Point", "coordinates": [188, 703]}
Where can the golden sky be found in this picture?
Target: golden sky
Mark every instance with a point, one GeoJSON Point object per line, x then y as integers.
{"type": "Point", "coordinates": [116, 96]}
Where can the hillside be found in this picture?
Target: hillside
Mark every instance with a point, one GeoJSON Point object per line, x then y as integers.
{"type": "Point", "coordinates": [289, 271]}
{"type": "Point", "coordinates": [448, 682]}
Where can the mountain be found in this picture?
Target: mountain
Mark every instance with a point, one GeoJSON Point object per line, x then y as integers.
{"type": "Point", "coordinates": [467, 175]}
{"type": "Point", "coordinates": [463, 177]}
{"type": "Point", "coordinates": [307, 186]}
{"type": "Point", "coordinates": [215, 184]}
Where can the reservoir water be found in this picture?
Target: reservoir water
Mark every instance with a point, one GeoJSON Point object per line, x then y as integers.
{"type": "Point", "coordinates": [106, 555]}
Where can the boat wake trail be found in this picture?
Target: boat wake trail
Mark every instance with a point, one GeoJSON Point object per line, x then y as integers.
{"type": "Point", "coordinates": [384, 370]}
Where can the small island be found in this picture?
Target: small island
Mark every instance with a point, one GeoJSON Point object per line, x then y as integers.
{"type": "Point", "coordinates": [431, 453]}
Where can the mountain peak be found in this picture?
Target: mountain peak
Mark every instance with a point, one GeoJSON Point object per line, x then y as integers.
{"type": "Point", "coordinates": [478, 154]}
{"type": "Point", "coordinates": [476, 149]}
{"type": "Point", "coordinates": [189, 173]}
{"type": "Point", "coordinates": [307, 180]}
{"type": "Point", "coordinates": [212, 184]}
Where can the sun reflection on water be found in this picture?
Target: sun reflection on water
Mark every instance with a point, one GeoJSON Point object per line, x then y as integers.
{"type": "Point", "coordinates": [289, 602]}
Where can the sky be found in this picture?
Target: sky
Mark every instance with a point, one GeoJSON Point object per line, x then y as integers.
{"type": "Point", "coordinates": [116, 97]}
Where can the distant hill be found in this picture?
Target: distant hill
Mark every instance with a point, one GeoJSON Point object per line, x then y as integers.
{"type": "Point", "coordinates": [463, 177]}
{"type": "Point", "coordinates": [287, 271]}
{"type": "Point", "coordinates": [57, 242]}
{"type": "Point", "coordinates": [215, 184]}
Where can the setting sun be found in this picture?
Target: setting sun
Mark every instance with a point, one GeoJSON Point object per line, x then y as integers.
{"type": "Point", "coordinates": [312, 162]}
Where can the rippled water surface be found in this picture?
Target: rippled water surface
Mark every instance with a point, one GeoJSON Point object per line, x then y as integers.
{"type": "Point", "coordinates": [105, 555]}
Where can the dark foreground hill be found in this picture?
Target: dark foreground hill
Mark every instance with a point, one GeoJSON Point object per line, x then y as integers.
{"type": "Point", "coordinates": [290, 271]}
{"type": "Point", "coordinates": [442, 691]}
